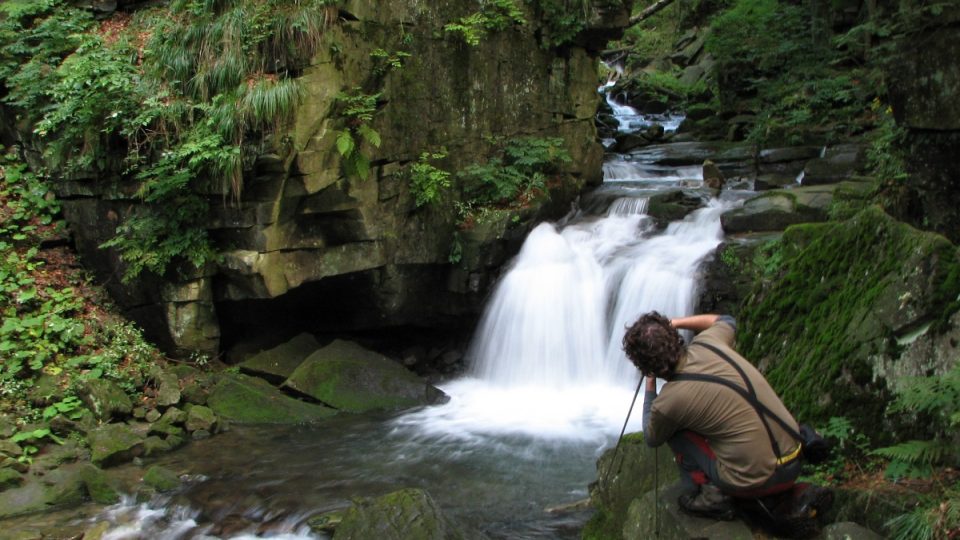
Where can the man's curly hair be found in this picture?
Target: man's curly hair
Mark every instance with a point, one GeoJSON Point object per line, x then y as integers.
{"type": "Point", "coordinates": [653, 345]}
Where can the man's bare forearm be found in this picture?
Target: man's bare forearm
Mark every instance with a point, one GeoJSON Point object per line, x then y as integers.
{"type": "Point", "coordinates": [697, 323]}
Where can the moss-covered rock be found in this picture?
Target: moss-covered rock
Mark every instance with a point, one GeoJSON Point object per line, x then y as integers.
{"type": "Point", "coordinates": [657, 515]}
{"type": "Point", "coordinates": [625, 473]}
{"type": "Point", "coordinates": [408, 514]}
{"type": "Point", "coordinates": [98, 485]}
{"type": "Point", "coordinates": [161, 478]}
{"type": "Point", "coordinates": [241, 398]}
{"type": "Point", "coordinates": [346, 376]}
{"type": "Point", "coordinates": [280, 361]}
{"type": "Point", "coordinates": [105, 398]}
{"type": "Point", "coordinates": [200, 418]}
{"type": "Point", "coordinates": [673, 206]}
{"type": "Point", "coordinates": [840, 304]}
{"type": "Point", "coordinates": [60, 487]}
{"type": "Point", "coordinates": [114, 443]}
{"type": "Point", "coordinates": [9, 478]}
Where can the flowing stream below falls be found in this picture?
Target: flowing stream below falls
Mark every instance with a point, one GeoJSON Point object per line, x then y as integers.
{"type": "Point", "coordinates": [547, 391]}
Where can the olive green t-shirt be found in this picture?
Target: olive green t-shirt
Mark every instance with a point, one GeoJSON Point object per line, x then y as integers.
{"type": "Point", "coordinates": [731, 425]}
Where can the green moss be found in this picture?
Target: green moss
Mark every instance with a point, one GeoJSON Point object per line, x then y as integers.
{"type": "Point", "coordinates": [247, 399]}
{"type": "Point", "coordinates": [600, 526]}
{"type": "Point", "coordinates": [830, 305]}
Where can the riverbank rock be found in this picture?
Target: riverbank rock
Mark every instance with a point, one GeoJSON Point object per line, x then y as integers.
{"type": "Point", "coordinates": [625, 473]}
{"type": "Point", "coordinates": [401, 515]}
{"type": "Point", "coordinates": [862, 303]}
{"type": "Point", "coordinates": [346, 376]}
{"type": "Point", "coordinates": [245, 399]}
{"type": "Point", "coordinates": [161, 479]}
{"type": "Point", "coordinates": [657, 515]}
{"type": "Point", "coordinates": [60, 487]}
{"type": "Point", "coordinates": [278, 363]}
{"type": "Point", "coordinates": [671, 206]}
{"type": "Point", "coordinates": [100, 488]}
{"type": "Point", "coordinates": [111, 444]}
{"type": "Point", "coordinates": [777, 210]}
{"type": "Point", "coordinates": [105, 399]}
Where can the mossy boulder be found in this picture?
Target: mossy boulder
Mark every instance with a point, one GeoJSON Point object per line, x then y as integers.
{"type": "Point", "coordinates": [346, 376]}
{"type": "Point", "coordinates": [111, 444]}
{"type": "Point", "coordinates": [60, 487]}
{"type": "Point", "coordinates": [245, 399]}
{"type": "Point", "coordinates": [657, 515]}
{"type": "Point", "coordinates": [673, 206]}
{"type": "Point", "coordinates": [625, 473]}
{"type": "Point", "coordinates": [839, 306]}
{"type": "Point", "coordinates": [9, 478]}
{"type": "Point", "coordinates": [161, 479]}
{"type": "Point", "coordinates": [280, 361]}
{"type": "Point", "coordinates": [168, 388]}
{"type": "Point", "coordinates": [98, 485]}
{"type": "Point", "coordinates": [105, 399]}
{"type": "Point", "coordinates": [201, 418]}
{"type": "Point", "coordinates": [408, 514]}
{"type": "Point", "coordinates": [776, 210]}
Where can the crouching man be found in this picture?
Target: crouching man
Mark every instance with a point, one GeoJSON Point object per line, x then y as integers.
{"type": "Point", "coordinates": [725, 446]}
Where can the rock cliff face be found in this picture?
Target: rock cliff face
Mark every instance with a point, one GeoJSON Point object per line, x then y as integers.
{"type": "Point", "coordinates": [925, 83]}
{"type": "Point", "coordinates": [309, 248]}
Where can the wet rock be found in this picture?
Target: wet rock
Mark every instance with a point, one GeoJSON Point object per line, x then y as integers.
{"type": "Point", "coordinates": [777, 210]}
{"type": "Point", "coordinates": [114, 443]}
{"type": "Point", "coordinates": [10, 448]}
{"type": "Point", "coordinates": [152, 416]}
{"type": "Point", "coordinates": [201, 418]}
{"type": "Point", "coordinates": [657, 515]}
{"type": "Point", "coordinates": [168, 392]}
{"type": "Point", "coordinates": [766, 182]}
{"type": "Point", "coordinates": [401, 515]}
{"type": "Point", "coordinates": [279, 362]}
{"type": "Point", "coordinates": [161, 479]}
{"type": "Point", "coordinates": [98, 485]}
{"type": "Point", "coordinates": [9, 478]}
{"type": "Point", "coordinates": [838, 163]}
{"type": "Point", "coordinates": [346, 376]}
{"type": "Point", "coordinates": [241, 398]}
{"type": "Point", "coordinates": [672, 206]}
{"type": "Point", "coordinates": [7, 426]}
{"type": "Point", "coordinates": [154, 445]}
{"type": "Point", "coordinates": [848, 530]}
{"type": "Point", "coordinates": [105, 399]}
{"type": "Point", "coordinates": [625, 473]}
{"type": "Point", "coordinates": [712, 177]}
{"type": "Point", "coordinates": [97, 531]}
{"type": "Point", "coordinates": [60, 487]}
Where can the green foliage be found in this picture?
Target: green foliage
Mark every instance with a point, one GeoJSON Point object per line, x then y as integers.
{"type": "Point", "coordinates": [769, 51]}
{"type": "Point", "coordinates": [174, 97]}
{"type": "Point", "coordinates": [523, 168]}
{"type": "Point", "coordinates": [357, 110]}
{"type": "Point", "coordinates": [932, 518]}
{"type": "Point", "coordinates": [427, 182]}
{"type": "Point", "coordinates": [494, 16]}
{"type": "Point", "coordinates": [936, 398]}
{"type": "Point", "coordinates": [28, 202]}
{"type": "Point", "coordinates": [562, 20]}
{"type": "Point", "coordinates": [70, 406]}
{"type": "Point", "coordinates": [386, 61]}
{"type": "Point", "coordinates": [851, 448]}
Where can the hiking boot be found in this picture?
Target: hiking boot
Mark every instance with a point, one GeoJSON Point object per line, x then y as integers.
{"type": "Point", "coordinates": [709, 503]}
{"type": "Point", "coordinates": [800, 516]}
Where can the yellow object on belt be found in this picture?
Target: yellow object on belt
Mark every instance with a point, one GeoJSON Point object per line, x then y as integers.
{"type": "Point", "coordinates": [790, 457]}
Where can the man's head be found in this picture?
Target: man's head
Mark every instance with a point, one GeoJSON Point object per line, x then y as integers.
{"type": "Point", "coordinates": [653, 345]}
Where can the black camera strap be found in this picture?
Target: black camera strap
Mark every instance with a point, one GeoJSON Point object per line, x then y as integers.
{"type": "Point", "coordinates": [747, 393]}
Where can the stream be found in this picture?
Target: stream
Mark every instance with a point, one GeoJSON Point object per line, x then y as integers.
{"type": "Point", "coordinates": [546, 393]}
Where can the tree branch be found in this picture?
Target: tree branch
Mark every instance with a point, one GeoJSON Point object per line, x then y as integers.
{"type": "Point", "coordinates": [650, 10]}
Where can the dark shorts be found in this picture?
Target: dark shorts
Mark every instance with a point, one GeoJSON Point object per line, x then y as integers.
{"type": "Point", "coordinates": [698, 465]}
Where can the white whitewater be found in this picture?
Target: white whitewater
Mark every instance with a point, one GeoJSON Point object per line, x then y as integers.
{"type": "Point", "coordinates": [546, 360]}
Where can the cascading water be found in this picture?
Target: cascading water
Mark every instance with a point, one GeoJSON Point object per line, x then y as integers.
{"type": "Point", "coordinates": [546, 393]}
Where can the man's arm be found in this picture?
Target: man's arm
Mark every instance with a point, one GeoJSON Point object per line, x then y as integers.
{"type": "Point", "coordinates": [697, 323]}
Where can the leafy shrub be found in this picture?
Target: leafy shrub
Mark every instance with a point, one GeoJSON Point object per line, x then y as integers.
{"type": "Point", "coordinates": [357, 109]}
{"type": "Point", "coordinates": [427, 181]}
{"type": "Point", "coordinates": [494, 16]}
{"type": "Point", "coordinates": [524, 166]}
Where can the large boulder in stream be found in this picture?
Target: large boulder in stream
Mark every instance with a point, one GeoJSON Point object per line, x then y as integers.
{"type": "Point", "coordinates": [346, 376]}
{"type": "Point", "coordinates": [408, 514]}
{"type": "Point", "coordinates": [280, 362]}
{"type": "Point", "coordinates": [240, 398]}
{"type": "Point", "coordinates": [105, 398]}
